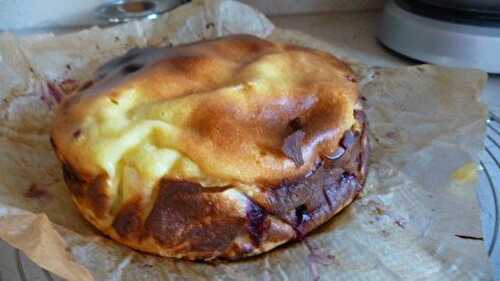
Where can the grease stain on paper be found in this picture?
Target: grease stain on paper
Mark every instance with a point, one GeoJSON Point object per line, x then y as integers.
{"type": "Point", "coordinates": [465, 174]}
{"type": "Point", "coordinates": [37, 191]}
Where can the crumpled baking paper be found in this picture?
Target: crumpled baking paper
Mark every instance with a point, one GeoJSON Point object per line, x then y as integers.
{"type": "Point", "coordinates": [426, 123]}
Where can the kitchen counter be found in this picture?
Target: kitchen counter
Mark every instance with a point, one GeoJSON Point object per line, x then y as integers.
{"type": "Point", "coordinates": [355, 32]}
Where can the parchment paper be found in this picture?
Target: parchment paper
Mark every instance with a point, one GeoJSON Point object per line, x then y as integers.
{"type": "Point", "coordinates": [426, 124]}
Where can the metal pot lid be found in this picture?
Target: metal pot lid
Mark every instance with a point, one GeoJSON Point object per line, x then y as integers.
{"type": "Point", "coordinates": [119, 11]}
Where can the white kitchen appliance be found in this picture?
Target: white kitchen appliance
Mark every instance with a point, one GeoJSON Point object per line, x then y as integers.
{"type": "Point", "coordinates": [459, 33]}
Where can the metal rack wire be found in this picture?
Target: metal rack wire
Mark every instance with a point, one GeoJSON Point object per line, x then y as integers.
{"type": "Point", "coordinates": [490, 166]}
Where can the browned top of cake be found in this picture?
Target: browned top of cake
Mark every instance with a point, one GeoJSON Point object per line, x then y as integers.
{"type": "Point", "coordinates": [226, 105]}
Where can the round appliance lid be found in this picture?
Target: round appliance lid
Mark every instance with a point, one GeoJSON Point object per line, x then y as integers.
{"type": "Point", "coordinates": [486, 6]}
{"type": "Point", "coordinates": [438, 41]}
{"type": "Point", "coordinates": [451, 13]}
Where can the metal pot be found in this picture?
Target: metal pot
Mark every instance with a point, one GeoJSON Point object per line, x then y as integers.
{"type": "Point", "coordinates": [28, 16]}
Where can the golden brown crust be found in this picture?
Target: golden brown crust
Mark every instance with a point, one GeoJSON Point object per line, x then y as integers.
{"type": "Point", "coordinates": [268, 141]}
{"type": "Point", "coordinates": [238, 96]}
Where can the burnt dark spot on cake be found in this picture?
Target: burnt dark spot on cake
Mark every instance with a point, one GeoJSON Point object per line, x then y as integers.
{"type": "Point", "coordinates": [53, 144]}
{"type": "Point", "coordinates": [302, 217]}
{"type": "Point", "coordinates": [295, 138]}
{"type": "Point", "coordinates": [207, 222]}
{"type": "Point", "coordinates": [295, 124]}
{"type": "Point", "coordinates": [96, 196]}
{"type": "Point", "coordinates": [73, 180]}
{"type": "Point", "coordinates": [307, 201]}
{"type": "Point", "coordinates": [346, 178]}
{"type": "Point", "coordinates": [128, 221]}
{"type": "Point", "coordinates": [131, 68]}
{"type": "Point", "coordinates": [301, 214]}
{"type": "Point", "coordinates": [77, 133]}
{"type": "Point", "coordinates": [292, 147]}
{"type": "Point", "coordinates": [71, 175]}
{"type": "Point", "coordinates": [257, 223]}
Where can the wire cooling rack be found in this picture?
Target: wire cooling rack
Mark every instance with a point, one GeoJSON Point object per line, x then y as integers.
{"type": "Point", "coordinates": [489, 189]}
